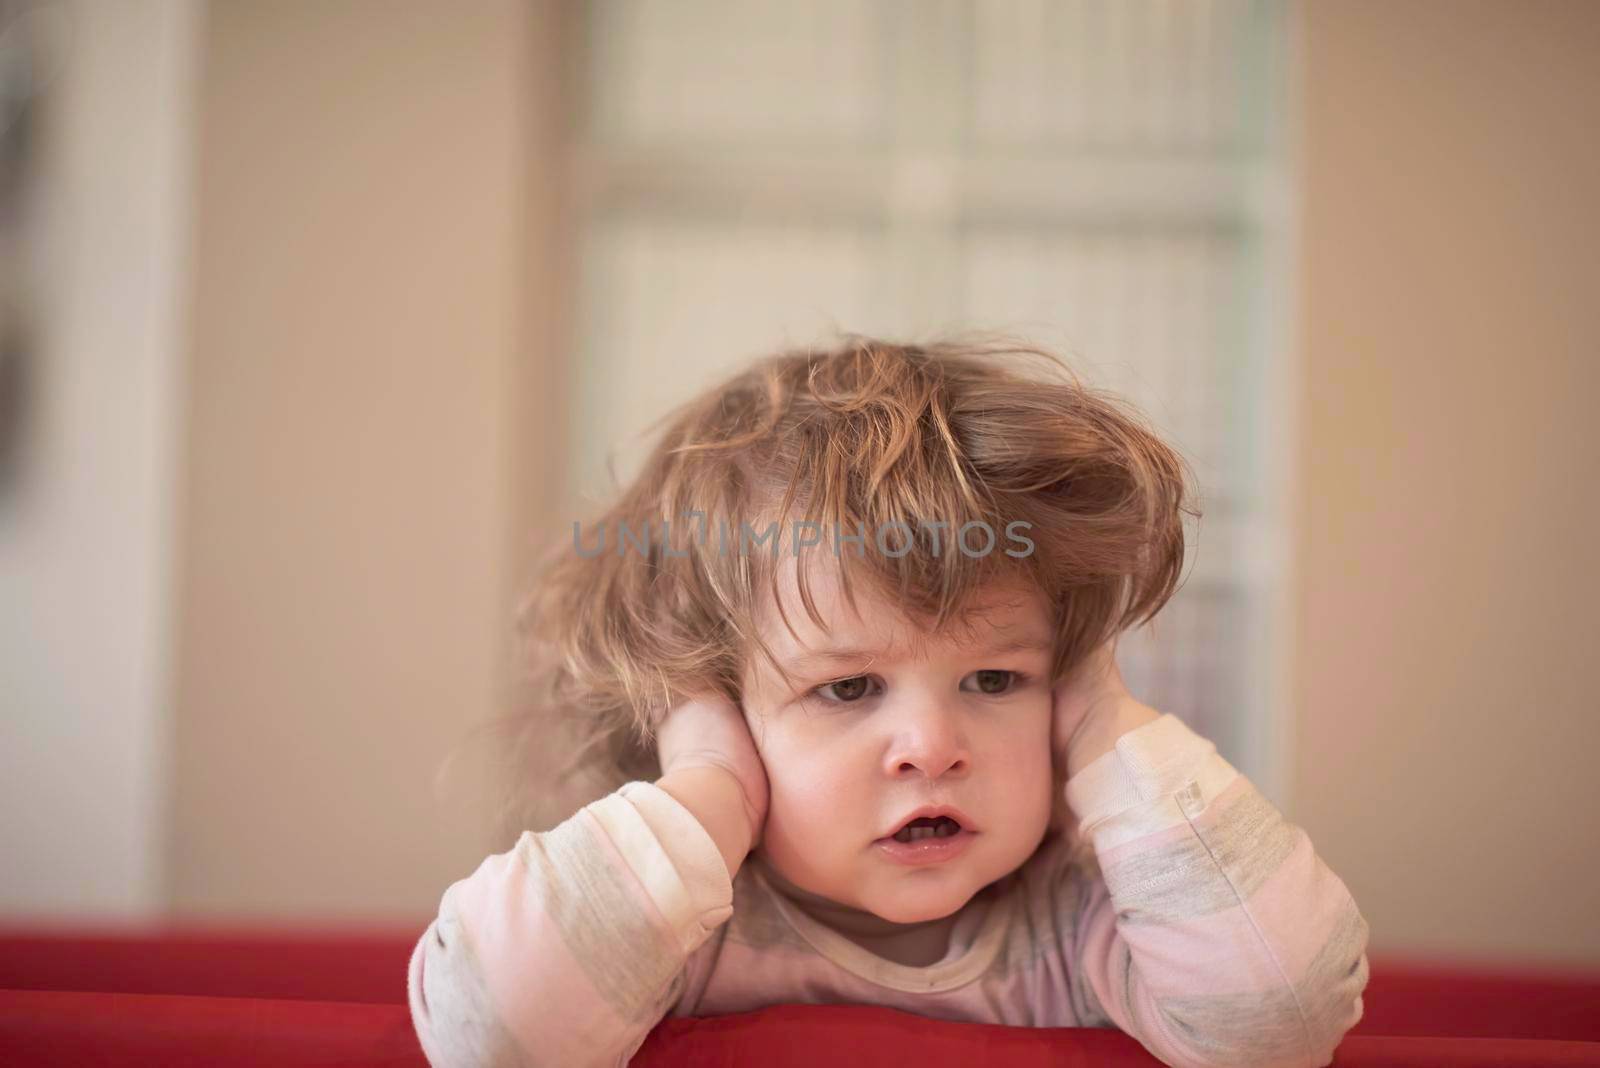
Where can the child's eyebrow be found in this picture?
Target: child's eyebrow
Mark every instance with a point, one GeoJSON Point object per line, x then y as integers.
{"type": "Point", "coordinates": [1022, 643]}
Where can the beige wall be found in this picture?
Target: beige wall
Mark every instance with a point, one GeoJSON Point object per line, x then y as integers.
{"type": "Point", "coordinates": [365, 384]}
{"type": "Point", "coordinates": [1448, 725]}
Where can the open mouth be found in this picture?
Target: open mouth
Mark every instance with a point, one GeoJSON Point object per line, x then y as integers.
{"type": "Point", "coordinates": [925, 827]}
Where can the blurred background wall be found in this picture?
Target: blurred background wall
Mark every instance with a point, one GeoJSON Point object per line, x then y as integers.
{"type": "Point", "coordinates": [352, 472]}
{"type": "Point", "coordinates": [97, 112]}
{"type": "Point", "coordinates": [384, 245]}
{"type": "Point", "coordinates": [1448, 464]}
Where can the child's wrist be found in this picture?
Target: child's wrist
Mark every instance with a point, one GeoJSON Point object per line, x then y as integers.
{"type": "Point", "coordinates": [716, 799]}
{"type": "Point", "coordinates": [1098, 733]}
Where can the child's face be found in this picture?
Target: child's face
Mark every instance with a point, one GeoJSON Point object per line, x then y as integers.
{"type": "Point", "coordinates": [853, 749]}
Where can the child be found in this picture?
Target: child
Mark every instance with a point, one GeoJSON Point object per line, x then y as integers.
{"type": "Point", "coordinates": [897, 764]}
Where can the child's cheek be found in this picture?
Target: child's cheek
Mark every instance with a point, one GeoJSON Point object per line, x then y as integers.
{"type": "Point", "coordinates": [806, 784]}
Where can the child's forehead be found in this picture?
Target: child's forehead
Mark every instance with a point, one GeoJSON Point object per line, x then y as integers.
{"type": "Point", "coordinates": [875, 619]}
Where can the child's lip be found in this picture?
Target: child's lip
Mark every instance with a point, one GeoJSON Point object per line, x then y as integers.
{"type": "Point", "coordinates": [931, 812]}
{"type": "Point", "coordinates": [926, 850]}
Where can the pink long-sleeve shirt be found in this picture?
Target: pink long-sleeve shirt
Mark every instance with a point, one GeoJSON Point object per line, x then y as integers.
{"type": "Point", "coordinates": [1204, 925]}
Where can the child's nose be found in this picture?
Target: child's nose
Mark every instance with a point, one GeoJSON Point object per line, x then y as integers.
{"type": "Point", "coordinates": [929, 742]}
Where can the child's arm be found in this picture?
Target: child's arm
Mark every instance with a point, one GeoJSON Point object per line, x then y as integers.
{"type": "Point", "coordinates": [1215, 934]}
{"type": "Point", "coordinates": [568, 948]}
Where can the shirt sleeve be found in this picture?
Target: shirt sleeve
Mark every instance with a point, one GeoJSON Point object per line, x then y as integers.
{"type": "Point", "coordinates": [569, 947]}
{"type": "Point", "coordinates": [1214, 934]}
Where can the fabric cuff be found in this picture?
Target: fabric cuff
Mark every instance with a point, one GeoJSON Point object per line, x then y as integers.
{"type": "Point", "coordinates": [688, 848]}
{"type": "Point", "coordinates": [1155, 760]}
{"type": "Point", "coordinates": [673, 857]}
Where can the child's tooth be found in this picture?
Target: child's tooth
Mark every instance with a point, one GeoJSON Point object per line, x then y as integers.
{"type": "Point", "coordinates": [917, 834]}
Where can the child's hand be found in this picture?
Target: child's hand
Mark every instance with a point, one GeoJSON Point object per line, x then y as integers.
{"type": "Point", "coordinates": [1082, 701]}
{"type": "Point", "coordinates": [711, 732]}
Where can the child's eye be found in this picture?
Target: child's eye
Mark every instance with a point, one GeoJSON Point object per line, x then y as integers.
{"type": "Point", "coordinates": [995, 681]}
{"type": "Point", "coordinates": [847, 691]}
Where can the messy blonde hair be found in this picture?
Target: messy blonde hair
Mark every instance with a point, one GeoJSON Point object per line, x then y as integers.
{"type": "Point", "coordinates": [863, 434]}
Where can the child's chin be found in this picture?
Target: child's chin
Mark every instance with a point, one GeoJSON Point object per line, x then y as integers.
{"type": "Point", "coordinates": [920, 907]}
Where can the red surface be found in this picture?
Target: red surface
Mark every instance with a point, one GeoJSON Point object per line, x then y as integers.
{"type": "Point", "coordinates": [41, 1028]}
{"type": "Point", "coordinates": [49, 1029]}
{"type": "Point", "coordinates": [368, 967]}
{"type": "Point", "coordinates": [841, 1036]}
{"type": "Point", "coordinates": [179, 996]}
{"type": "Point", "coordinates": [1474, 1002]}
